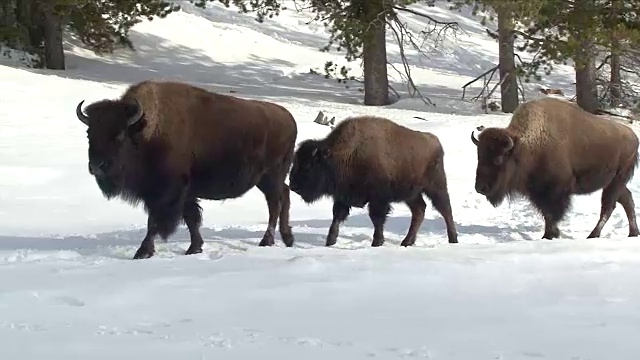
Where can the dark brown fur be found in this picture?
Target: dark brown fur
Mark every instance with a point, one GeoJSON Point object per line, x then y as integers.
{"type": "Point", "coordinates": [374, 161]}
{"type": "Point", "coordinates": [190, 144]}
{"type": "Point", "coordinates": [558, 150]}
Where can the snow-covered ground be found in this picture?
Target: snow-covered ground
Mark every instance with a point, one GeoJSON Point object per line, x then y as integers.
{"type": "Point", "coordinates": [69, 289]}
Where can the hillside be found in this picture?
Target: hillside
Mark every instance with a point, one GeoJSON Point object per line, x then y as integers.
{"type": "Point", "coordinates": [70, 289]}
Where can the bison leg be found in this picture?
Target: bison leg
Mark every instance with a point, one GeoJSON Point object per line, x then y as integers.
{"type": "Point", "coordinates": [417, 207]}
{"type": "Point", "coordinates": [340, 214]}
{"type": "Point", "coordinates": [192, 216]}
{"type": "Point", "coordinates": [551, 230]}
{"type": "Point", "coordinates": [438, 194]}
{"type": "Point", "coordinates": [610, 196]}
{"type": "Point", "coordinates": [147, 247]}
{"type": "Point", "coordinates": [626, 200]}
{"type": "Point", "coordinates": [553, 209]}
{"type": "Point", "coordinates": [440, 201]}
{"type": "Point", "coordinates": [283, 225]}
{"type": "Point", "coordinates": [272, 190]}
{"type": "Point", "coordinates": [163, 219]}
{"type": "Point", "coordinates": [378, 214]}
{"type": "Point", "coordinates": [163, 223]}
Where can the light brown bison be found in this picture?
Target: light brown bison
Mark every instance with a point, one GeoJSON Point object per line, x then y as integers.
{"type": "Point", "coordinates": [374, 161]}
{"type": "Point", "coordinates": [553, 149]}
{"type": "Point", "coordinates": [169, 144]}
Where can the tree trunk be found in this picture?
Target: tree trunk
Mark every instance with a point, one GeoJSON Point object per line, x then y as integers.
{"type": "Point", "coordinates": [615, 82]}
{"type": "Point", "coordinates": [53, 49]}
{"type": "Point", "coordinates": [507, 65]}
{"type": "Point", "coordinates": [586, 90]}
{"type": "Point", "coordinates": [374, 57]}
{"type": "Point", "coordinates": [584, 57]}
{"type": "Point", "coordinates": [8, 14]}
{"type": "Point", "coordinates": [29, 17]}
{"type": "Point", "coordinates": [9, 26]}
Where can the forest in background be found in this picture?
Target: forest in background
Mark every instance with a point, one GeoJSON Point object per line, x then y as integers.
{"type": "Point", "coordinates": [600, 38]}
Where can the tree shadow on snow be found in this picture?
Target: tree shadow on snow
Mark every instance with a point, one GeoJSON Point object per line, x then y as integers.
{"type": "Point", "coordinates": [432, 228]}
{"type": "Point", "coordinates": [355, 234]}
{"type": "Point", "coordinates": [158, 58]}
{"type": "Point", "coordinates": [266, 78]}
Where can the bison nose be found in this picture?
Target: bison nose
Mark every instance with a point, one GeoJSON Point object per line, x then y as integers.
{"type": "Point", "coordinates": [98, 168]}
{"type": "Point", "coordinates": [482, 188]}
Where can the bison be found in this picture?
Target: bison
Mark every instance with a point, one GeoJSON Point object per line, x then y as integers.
{"type": "Point", "coordinates": [372, 160]}
{"type": "Point", "coordinates": [169, 144]}
{"type": "Point", "coordinates": [551, 150]}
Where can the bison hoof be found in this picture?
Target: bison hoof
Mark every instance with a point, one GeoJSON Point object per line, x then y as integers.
{"type": "Point", "coordinates": [377, 243]}
{"type": "Point", "coordinates": [634, 233]}
{"type": "Point", "coordinates": [143, 253]}
{"type": "Point", "coordinates": [287, 239]}
{"type": "Point", "coordinates": [407, 242]}
{"type": "Point", "coordinates": [549, 235]}
{"type": "Point", "coordinates": [266, 242]}
{"type": "Point", "coordinates": [330, 242]}
{"type": "Point", "coordinates": [193, 250]}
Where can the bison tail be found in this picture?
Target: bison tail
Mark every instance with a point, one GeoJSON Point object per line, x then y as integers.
{"type": "Point", "coordinates": [630, 170]}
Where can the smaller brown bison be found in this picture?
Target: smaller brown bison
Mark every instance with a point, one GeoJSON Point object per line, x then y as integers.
{"type": "Point", "coordinates": [168, 144]}
{"type": "Point", "coordinates": [374, 161]}
{"type": "Point", "coordinates": [552, 149]}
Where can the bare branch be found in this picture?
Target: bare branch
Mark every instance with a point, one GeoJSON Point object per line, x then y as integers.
{"type": "Point", "coordinates": [482, 76]}
{"type": "Point", "coordinates": [447, 24]}
{"type": "Point", "coordinates": [399, 36]}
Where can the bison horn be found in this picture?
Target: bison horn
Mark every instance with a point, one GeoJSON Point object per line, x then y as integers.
{"type": "Point", "coordinates": [474, 140]}
{"type": "Point", "coordinates": [84, 118]}
{"type": "Point", "coordinates": [510, 145]}
{"type": "Point", "coordinates": [138, 115]}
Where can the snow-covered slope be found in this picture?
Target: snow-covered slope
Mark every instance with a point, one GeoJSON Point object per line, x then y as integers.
{"type": "Point", "coordinates": [68, 288]}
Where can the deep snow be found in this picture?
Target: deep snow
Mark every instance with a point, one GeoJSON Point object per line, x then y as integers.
{"type": "Point", "coordinates": [69, 289]}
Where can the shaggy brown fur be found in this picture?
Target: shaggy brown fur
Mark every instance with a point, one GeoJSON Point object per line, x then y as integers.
{"type": "Point", "coordinates": [168, 144]}
{"type": "Point", "coordinates": [372, 160]}
{"type": "Point", "coordinates": [553, 149]}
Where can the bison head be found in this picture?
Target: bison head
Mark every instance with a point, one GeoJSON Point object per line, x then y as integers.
{"type": "Point", "coordinates": [310, 175]}
{"type": "Point", "coordinates": [496, 164]}
{"type": "Point", "coordinates": [111, 126]}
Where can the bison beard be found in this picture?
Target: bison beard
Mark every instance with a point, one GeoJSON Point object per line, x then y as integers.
{"type": "Point", "coordinates": [352, 166]}
{"type": "Point", "coordinates": [168, 144]}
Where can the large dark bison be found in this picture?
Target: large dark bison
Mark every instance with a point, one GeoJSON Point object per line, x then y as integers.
{"type": "Point", "coordinates": [374, 161]}
{"type": "Point", "coordinates": [552, 149]}
{"type": "Point", "coordinates": [168, 144]}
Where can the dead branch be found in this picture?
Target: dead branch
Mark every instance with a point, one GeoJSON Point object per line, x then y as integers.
{"type": "Point", "coordinates": [322, 119]}
{"type": "Point", "coordinates": [399, 36]}
{"type": "Point", "coordinates": [605, 112]}
{"type": "Point", "coordinates": [445, 24]}
{"type": "Point", "coordinates": [483, 76]}
{"type": "Point", "coordinates": [433, 26]}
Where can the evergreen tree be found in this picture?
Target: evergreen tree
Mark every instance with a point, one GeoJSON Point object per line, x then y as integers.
{"type": "Point", "coordinates": [559, 30]}
{"type": "Point", "coordinates": [37, 26]}
{"type": "Point", "coordinates": [359, 28]}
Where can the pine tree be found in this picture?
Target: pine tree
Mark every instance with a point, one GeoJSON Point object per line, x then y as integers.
{"type": "Point", "coordinates": [582, 31]}
{"type": "Point", "coordinates": [101, 25]}
{"type": "Point", "coordinates": [358, 27]}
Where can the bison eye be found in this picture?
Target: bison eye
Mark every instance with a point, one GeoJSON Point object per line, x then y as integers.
{"type": "Point", "coordinates": [498, 160]}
